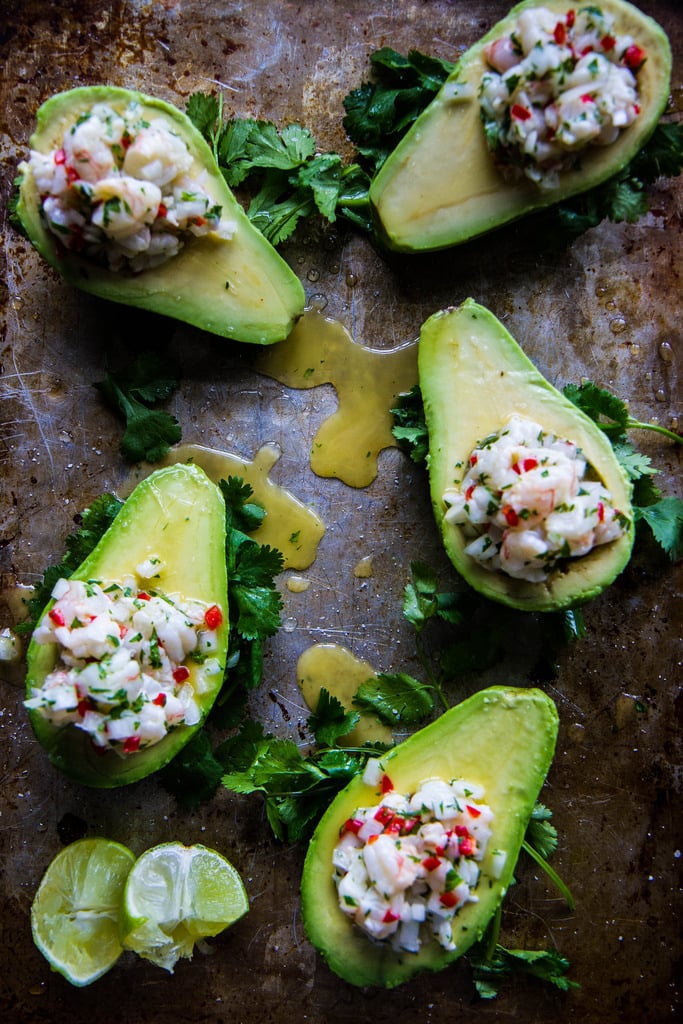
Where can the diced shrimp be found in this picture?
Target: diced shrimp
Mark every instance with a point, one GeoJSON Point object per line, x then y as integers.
{"type": "Point", "coordinates": [501, 54]}
{"type": "Point", "coordinates": [156, 155]}
{"type": "Point", "coordinates": [124, 204]}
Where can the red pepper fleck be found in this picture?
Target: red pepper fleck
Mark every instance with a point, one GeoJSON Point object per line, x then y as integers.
{"type": "Point", "coordinates": [473, 460]}
{"type": "Point", "coordinates": [72, 175]}
{"type": "Point", "coordinates": [181, 673]}
{"type": "Point", "coordinates": [587, 98]}
{"type": "Point", "coordinates": [601, 512]}
{"type": "Point", "coordinates": [83, 705]}
{"type": "Point", "coordinates": [571, 18]}
{"type": "Point", "coordinates": [126, 140]}
{"type": "Point", "coordinates": [384, 815]}
{"type": "Point", "coordinates": [198, 221]}
{"type": "Point", "coordinates": [372, 839]}
{"type": "Point", "coordinates": [160, 700]}
{"type": "Point", "coordinates": [352, 825]}
{"type": "Point", "coordinates": [634, 56]}
{"type": "Point", "coordinates": [608, 42]}
{"type": "Point", "coordinates": [409, 824]}
{"type": "Point", "coordinates": [529, 464]}
{"type": "Point", "coordinates": [469, 492]}
{"type": "Point", "coordinates": [511, 517]}
{"type": "Point", "coordinates": [386, 784]}
{"type": "Point", "coordinates": [430, 863]}
{"type": "Point", "coordinates": [162, 211]}
{"type": "Point", "coordinates": [636, 108]}
{"type": "Point", "coordinates": [586, 49]}
{"type": "Point", "coordinates": [57, 616]}
{"type": "Point", "coordinates": [122, 630]}
{"type": "Point", "coordinates": [516, 468]}
{"type": "Point", "coordinates": [144, 596]}
{"type": "Point", "coordinates": [462, 831]}
{"type": "Point", "coordinates": [390, 916]}
{"type": "Point", "coordinates": [131, 744]}
{"type": "Point", "coordinates": [60, 157]}
{"type": "Point", "coordinates": [560, 33]}
{"type": "Point", "coordinates": [467, 846]}
{"type": "Point", "coordinates": [474, 812]}
{"type": "Point", "coordinates": [448, 899]}
{"type": "Point", "coordinates": [213, 617]}
{"type": "Point", "coordinates": [519, 112]}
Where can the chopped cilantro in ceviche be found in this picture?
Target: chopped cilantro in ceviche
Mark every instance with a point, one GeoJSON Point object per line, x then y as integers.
{"type": "Point", "coordinates": [555, 87]}
{"type": "Point", "coordinates": [406, 866]}
{"type": "Point", "coordinates": [123, 190]}
{"type": "Point", "coordinates": [123, 669]}
{"type": "Point", "coordinates": [526, 501]}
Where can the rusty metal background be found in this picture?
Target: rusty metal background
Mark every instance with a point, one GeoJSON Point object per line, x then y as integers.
{"type": "Point", "coordinates": [608, 308]}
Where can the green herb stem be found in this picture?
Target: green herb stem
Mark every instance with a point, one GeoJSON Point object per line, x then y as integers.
{"type": "Point", "coordinates": [637, 425]}
{"type": "Point", "coordinates": [551, 873]}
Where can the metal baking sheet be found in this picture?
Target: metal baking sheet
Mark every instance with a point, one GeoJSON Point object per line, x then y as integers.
{"type": "Point", "coordinates": [608, 308]}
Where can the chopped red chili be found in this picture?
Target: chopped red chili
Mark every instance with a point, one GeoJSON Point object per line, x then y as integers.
{"type": "Point", "coordinates": [213, 617]}
{"type": "Point", "coordinates": [634, 57]}
{"type": "Point", "coordinates": [386, 784]}
{"type": "Point", "coordinates": [560, 33]}
{"type": "Point", "coordinates": [57, 616]}
{"type": "Point", "coordinates": [511, 517]}
{"type": "Point", "coordinates": [519, 112]}
{"type": "Point", "coordinates": [131, 744]}
{"type": "Point", "coordinates": [181, 673]}
{"type": "Point", "coordinates": [448, 899]}
{"type": "Point", "coordinates": [431, 863]}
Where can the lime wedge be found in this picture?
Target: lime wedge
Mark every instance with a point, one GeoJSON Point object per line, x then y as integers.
{"type": "Point", "coordinates": [75, 912]}
{"type": "Point", "coordinates": [176, 895]}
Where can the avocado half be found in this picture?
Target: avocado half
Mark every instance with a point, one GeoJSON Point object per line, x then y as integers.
{"type": "Point", "coordinates": [178, 515]}
{"type": "Point", "coordinates": [503, 738]}
{"type": "Point", "coordinates": [473, 376]}
{"type": "Point", "coordinates": [440, 186]}
{"type": "Point", "coordinates": [239, 288]}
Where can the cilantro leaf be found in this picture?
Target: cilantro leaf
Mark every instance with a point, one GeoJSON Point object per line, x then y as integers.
{"type": "Point", "coordinates": [330, 720]}
{"type": "Point", "coordinates": [604, 408]}
{"type": "Point", "coordinates": [490, 972]}
{"type": "Point", "coordinates": [395, 698]}
{"type": "Point", "coordinates": [410, 428]}
{"type": "Point", "coordinates": [540, 833]}
{"type": "Point", "coordinates": [665, 519]}
{"type": "Point", "coordinates": [149, 432]}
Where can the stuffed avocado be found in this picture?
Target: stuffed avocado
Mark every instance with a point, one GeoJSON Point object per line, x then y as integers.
{"type": "Point", "coordinates": [451, 805]}
{"type": "Point", "coordinates": [552, 101]}
{"type": "Point", "coordinates": [130, 652]}
{"type": "Point", "coordinates": [533, 507]}
{"type": "Point", "coordinates": [123, 196]}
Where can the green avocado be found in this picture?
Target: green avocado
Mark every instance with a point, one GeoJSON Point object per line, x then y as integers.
{"type": "Point", "coordinates": [178, 516]}
{"type": "Point", "coordinates": [440, 186]}
{"type": "Point", "coordinates": [473, 376]}
{"type": "Point", "coordinates": [239, 288]}
{"type": "Point", "coordinates": [502, 738]}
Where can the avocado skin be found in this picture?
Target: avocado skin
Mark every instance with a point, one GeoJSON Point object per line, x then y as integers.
{"type": "Point", "coordinates": [502, 737]}
{"type": "Point", "coordinates": [178, 514]}
{"type": "Point", "coordinates": [473, 376]}
{"type": "Point", "coordinates": [240, 289]}
{"type": "Point", "coordinates": [440, 187]}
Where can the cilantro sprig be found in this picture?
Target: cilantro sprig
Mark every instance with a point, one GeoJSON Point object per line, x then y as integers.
{"type": "Point", "coordinates": [134, 394]}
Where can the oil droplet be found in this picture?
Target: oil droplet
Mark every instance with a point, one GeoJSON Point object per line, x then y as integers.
{"type": "Point", "coordinates": [317, 303]}
{"type": "Point", "coordinates": [298, 584]}
{"type": "Point", "coordinates": [367, 382]}
{"type": "Point", "coordinates": [290, 526]}
{"type": "Point", "coordinates": [341, 673]}
{"type": "Point", "coordinates": [617, 325]}
{"type": "Point", "coordinates": [660, 395]}
{"type": "Point", "coordinates": [313, 274]}
{"type": "Point", "coordinates": [351, 279]}
{"type": "Point", "coordinates": [363, 569]}
{"type": "Point", "coordinates": [289, 624]}
{"type": "Point", "coordinates": [666, 352]}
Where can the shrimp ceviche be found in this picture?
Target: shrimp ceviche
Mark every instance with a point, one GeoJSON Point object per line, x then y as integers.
{"type": "Point", "coordinates": [405, 867]}
{"type": "Point", "coordinates": [122, 673]}
{"type": "Point", "coordinates": [526, 502]}
{"type": "Point", "coordinates": [556, 86]}
{"type": "Point", "coordinates": [120, 189]}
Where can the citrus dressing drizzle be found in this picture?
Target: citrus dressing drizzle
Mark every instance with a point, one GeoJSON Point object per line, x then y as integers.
{"type": "Point", "coordinates": [367, 381]}
{"type": "Point", "coordinates": [341, 673]}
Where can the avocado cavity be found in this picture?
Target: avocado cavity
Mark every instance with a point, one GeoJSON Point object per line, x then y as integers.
{"type": "Point", "coordinates": [123, 196]}
{"type": "Point", "coordinates": [129, 655]}
{"type": "Point", "coordinates": [551, 102]}
{"type": "Point", "coordinates": [533, 507]}
{"type": "Point", "coordinates": [411, 860]}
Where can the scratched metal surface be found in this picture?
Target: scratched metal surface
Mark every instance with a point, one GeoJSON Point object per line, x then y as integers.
{"type": "Point", "coordinates": [608, 308]}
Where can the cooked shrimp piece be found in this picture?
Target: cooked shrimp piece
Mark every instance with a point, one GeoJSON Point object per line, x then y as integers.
{"type": "Point", "coordinates": [125, 204]}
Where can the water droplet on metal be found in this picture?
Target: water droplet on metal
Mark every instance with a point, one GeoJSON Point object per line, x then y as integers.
{"type": "Point", "coordinates": [289, 624]}
{"type": "Point", "coordinates": [666, 352]}
{"type": "Point", "coordinates": [660, 395]}
{"type": "Point", "coordinates": [313, 274]}
{"type": "Point", "coordinates": [617, 325]}
{"type": "Point", "coordinates": [351, 279]}
{"type": "Point", "coordinates": [318, 302]}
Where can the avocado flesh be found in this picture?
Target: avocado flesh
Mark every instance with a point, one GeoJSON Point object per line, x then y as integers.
{"type": "Point", "coordinates": [440, 187]}
{"type": "Point", "coordinates": [503, 738]}
{"type": "Point", "coordinates": [239, 288]}
{"type": "Point", "coordinates": [473, 376]}
{"type": "Point", "coordinates": [178, 515]}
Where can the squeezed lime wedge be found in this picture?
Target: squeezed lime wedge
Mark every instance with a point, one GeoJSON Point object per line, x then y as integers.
{"type": "Point", "coordinates": [177, 895]}
{"type": "Point", "coordinates": [75, 912]}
